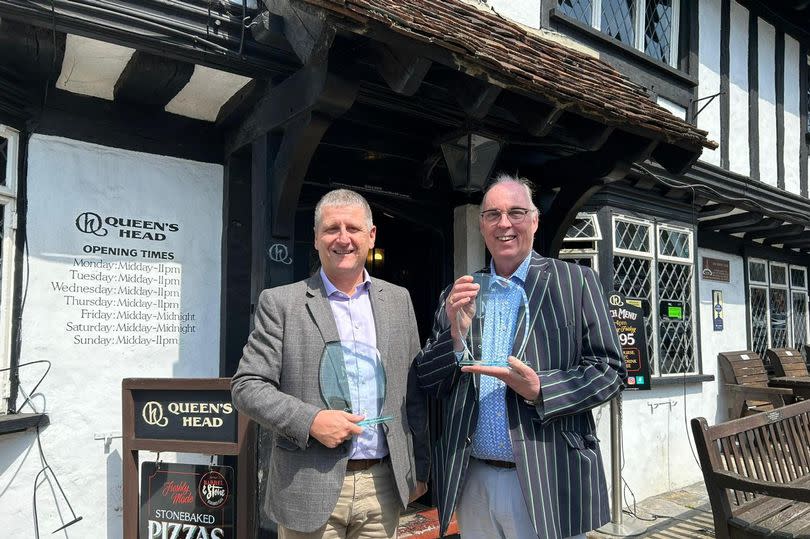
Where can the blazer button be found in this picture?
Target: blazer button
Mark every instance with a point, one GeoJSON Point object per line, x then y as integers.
{"type": "Point", "coordinates": [468, 441]}
{"type": "Point", "coordinates": [385, 428]}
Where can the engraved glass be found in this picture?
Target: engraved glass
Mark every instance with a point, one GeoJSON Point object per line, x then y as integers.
{"type": "Point", "coordinates": [352, 379]}
{"type": "Point", "coordinates": [501, 307]}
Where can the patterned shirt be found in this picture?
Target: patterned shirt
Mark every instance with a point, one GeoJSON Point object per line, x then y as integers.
{"type": "Point", "coordinates": [491, 439]}
{"type": "Point", "coordinates": [355, 324]}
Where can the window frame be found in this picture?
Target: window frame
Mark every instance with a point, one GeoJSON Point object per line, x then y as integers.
{"type": "Point", "coordinates": [8, 199]}
{"type": "Point", "coordinates": [572, 250]}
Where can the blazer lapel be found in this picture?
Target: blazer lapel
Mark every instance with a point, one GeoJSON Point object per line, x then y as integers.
{"type": "Point", "coordinates": [381, 310]}
{"type": "Point", "coordinates": [318, 306]}
{"type": "Point", "coordinates": [536, 285]}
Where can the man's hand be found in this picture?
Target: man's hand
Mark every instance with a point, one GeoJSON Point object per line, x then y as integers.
{"type": "Point", "coordinates": [519, 376]}
{"type": "Point", "coordinates": [421, 488]}
{"type": "Point", "coordinates": [333, 427]}
{"type": "Point", "coordinates": [461, 299]}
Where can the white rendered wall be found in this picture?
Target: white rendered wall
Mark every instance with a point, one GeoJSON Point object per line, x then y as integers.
{"type": "Point", "coordinates": [738, 143]}
{"type": "Point", "coordinates": [526, 12]}
{"type": "Point", "coordinates": [793, 127]}
{"type": "Point", "coordinates": [767, 102]}
{"type": "Point", "coordinates": [82, 393]}
{"type": "Point", "coordinates": [657, 438]}
{"type": "Point", "coordinates": [469, 251]}
{"type": "Point", "coordinates": [709, 74]}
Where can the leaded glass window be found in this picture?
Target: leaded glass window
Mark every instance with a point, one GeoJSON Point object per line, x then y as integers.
{"type": "Point", "coordinates": [9, 149]}
{"type": "Point", "coordinates": [617, 20]}
{"type": "Point", "coordinates": [581, 10]}
{"type": "Point", "coordinates": [654, 263]}
{"type": "Point", "coordinates": [757, 271]}
{"type": "Point", "coordinates": [581, 241]}
{"type": "Point", "coordinates": [778, 274]}
{"type": "Point", "coordinates": [778, 318]}
{"type": "Point", "coordinates": [777, 305]}
{"type": "Point", "coordinates": [658, 28]}
{"type": "Point", "coordinates": [4, 159]}
{"type": "Point", "coordinates": [798, 277]}
{"type": "Point", "coordinates": [759, 320]}
{"type": "Point", "coordinates": [799, 319]}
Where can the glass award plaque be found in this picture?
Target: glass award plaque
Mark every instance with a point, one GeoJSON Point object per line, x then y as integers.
{"type": "Point", "coordinates": [500, 310]}
{"type": "Point", "coordinates": [352, 379]}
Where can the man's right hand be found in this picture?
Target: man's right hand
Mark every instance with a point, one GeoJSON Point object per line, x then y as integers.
{"type": "Point", "coordinates": [333, 427]}
{"type": "Point", "coordinates": [461, 299]}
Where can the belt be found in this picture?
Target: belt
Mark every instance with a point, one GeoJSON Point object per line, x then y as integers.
{"type": "Point", "coordinates": [359, 465]}
{"type": "Point", "coordinates": [497, 463]}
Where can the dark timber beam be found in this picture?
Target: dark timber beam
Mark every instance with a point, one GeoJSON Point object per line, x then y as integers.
{"type": "Point", "coordinates": [784, 230]}
{"type": "Point", "coordinates": [732, 222]}
{"type": "Point", "coordinates": [714, 210]}
{"type": "Point", "coordinates": [675, 159]}
{"type": "Point", "coordinates": [476, 96]}
{"type": "Point", "coordinates": [562, 211]}
{"type": "Point", "coordinates": [32, 53]}
{"type": "Point", "coordinates": [312, 88]}
{"type": "Point", "coordinates": [536, 117]}
{"type": "Point", "coordinates": [151, 80]}
{"type": "Point", "coordinates": [240, 103]}
{"type": "Point", "coordinates": [802, 241]}
{"type": "Point", "coordinates": [762, 226]}
{"type": "Point", "coordinates": [797, 233]}
{"type": "Point", "coordinates": [402, 70]}
{"type": "Point", "coordinates": [308, 31]}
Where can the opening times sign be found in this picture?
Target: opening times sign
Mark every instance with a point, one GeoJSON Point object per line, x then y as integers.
{"type": "Point", "coordinates": [628, 317]}
{"type": "Point", "coordinates": [186, 501]}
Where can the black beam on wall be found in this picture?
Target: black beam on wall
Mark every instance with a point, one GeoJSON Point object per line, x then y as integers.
{"type": "Point", "coordinates": [725, 68]}
{"type": "Point", "coordinates": [753, 95]}
{"type": "Point", "coordinates": [804, 105]}
{"type": "Point", "coordinates": [779, 62]}
{"type": "Point", "coordinates": [151, 80]}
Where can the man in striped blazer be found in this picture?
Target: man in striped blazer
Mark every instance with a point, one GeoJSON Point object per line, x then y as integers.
{"type": "Point", "coordinates": [517, 454]}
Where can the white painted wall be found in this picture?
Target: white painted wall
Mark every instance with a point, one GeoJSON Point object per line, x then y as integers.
{"type": "Point", "coordinates": [526, 12]}
{"type": "Point", "coordinates": [657, 437]}
{"type": "Point", "coordinates": [709, 74]}
{"type": "Point", "coordinates": [469, 251]}
{"type": "Point", "coordinates": [738, 91]}
{"type": "Point", "coordinates": [82, 393]}
{"type": "Point", "coordinates": [793, 129]}
{"type": "Point", "coordinates": [767, 102]}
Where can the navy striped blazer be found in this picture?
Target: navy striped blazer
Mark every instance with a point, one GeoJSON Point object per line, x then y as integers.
{"type": "Point", "coordinates": [574, 348]}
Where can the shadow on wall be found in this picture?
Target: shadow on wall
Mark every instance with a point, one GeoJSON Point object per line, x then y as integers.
{"type": "Point", "coordinates": [115, 495]}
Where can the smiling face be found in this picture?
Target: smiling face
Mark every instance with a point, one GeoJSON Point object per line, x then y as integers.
{"type": "Point", "coordinates": [509, 243]}
{"type": "Point", "coordinates": [343, 239]}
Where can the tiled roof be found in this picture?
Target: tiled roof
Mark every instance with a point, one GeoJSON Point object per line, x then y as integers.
{"type": "Point", "coordinates": [520, 58]}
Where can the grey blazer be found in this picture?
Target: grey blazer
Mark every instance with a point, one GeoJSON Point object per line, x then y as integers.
{"type": "Point", "coordinates": [276, 384]}
{"type": "Point", "coordinates": [574, 348]}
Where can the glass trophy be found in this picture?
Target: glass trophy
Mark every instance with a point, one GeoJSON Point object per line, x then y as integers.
{"type": "Point", "coordinates": [352, 379]}
{"type": "Point", "coordinates": [500, 310]}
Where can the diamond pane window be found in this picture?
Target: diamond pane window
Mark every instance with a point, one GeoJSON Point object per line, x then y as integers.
{"type": "Point", "coordinates": [757, 272]}
{"type": "Point", "coordinates": [632, 278]}
{"type": "Point", "coordinates": [581, 10]}
{"type": "Point", "coordinates": [4, 160]}
{"type": "Point", "coordinates": [631, 236]}
{"type": "Point", "coordinates": [779, 314]}
{"type": "Point", "coordinates": [798, 278]}
{"type": "Point", "coordinates": [584, 228]}
{"type": "Point", "coordinates": [799, 319]}
{"type": "Point", "coordinates": [676, 352]}
{"type": "Point", "coordinates": [778, 274]}
{"type": "Point", "coordinates": [579, 260]}
{"type": "Point", "coordinates": [658, 29]}
{"type": "Point", "coordinates": [617, 20]}
{"type": "Point", "coordinates": [674, 243]}
{"type": "Point", "coordinates": [759, 320]}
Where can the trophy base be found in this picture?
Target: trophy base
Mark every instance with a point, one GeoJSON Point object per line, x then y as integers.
{"type": "Point", "coordinates": [375, 421]}
{"type": "Point", "coordinates": [473, 363]}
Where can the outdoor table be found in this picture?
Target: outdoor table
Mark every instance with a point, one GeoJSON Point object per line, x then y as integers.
{"type": "Point", "coordinates": [799, 384]}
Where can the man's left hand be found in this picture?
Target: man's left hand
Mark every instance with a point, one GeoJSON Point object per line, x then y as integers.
{"type": "Point", "coordinates": [421, 488]}
{"type": "Point", "coordinates": [519, 376]}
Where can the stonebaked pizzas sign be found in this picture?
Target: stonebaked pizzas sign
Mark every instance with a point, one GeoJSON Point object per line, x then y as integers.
{"type": "Point", "coordinates": [186, 501]}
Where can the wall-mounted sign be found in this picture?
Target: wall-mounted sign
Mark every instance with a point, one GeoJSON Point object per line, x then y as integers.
{"type": "Point", "coordinates": [715, 269]}
{"type": "Point", "coordinates": [628, 316]}
{"type": "Point", "coordinates": [185, 500]}
{"type": "Point", "coordinates": [717, 309]}
{"type": "Point", "coordinates": [199, 415]}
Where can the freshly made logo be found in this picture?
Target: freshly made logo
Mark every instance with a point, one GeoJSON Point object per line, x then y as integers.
{"type": "Point", "coordinates": [153, 414]}
{"type": "Point", "coordinates": [90, 222]}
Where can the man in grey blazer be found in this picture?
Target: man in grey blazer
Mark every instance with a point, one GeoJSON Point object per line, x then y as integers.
{"type": "Point", "coordinates": [328, 476]}
{"type": "Point", "coordinates": [517, 454]}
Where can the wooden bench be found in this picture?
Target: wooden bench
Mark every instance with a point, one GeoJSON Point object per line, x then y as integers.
{"type": "Point", "coordinates": [757, 473]}
{"type": "Point", "coordinates": [747, 383]}
{"type": "Point", "coordinates": [787, 362]}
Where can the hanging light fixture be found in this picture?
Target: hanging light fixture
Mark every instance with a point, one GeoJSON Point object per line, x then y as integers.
{"type": "Point", "coordinates": [470, 159]}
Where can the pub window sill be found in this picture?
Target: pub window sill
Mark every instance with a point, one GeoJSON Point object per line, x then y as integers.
{"type": "Point", "coordinates": [680, 380]}
{"type": "Point", "coordinates": [607, 41]}
{"type": "Point", "coordinates": [11, 423]}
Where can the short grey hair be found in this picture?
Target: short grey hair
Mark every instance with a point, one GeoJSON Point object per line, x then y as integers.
{"type": "Point", "coordinates": [340, 198]}
{"type": "Point", "coordinates": [526, 183]}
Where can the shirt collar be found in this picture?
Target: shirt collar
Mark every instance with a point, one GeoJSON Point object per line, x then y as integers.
{"type": "Point", "coordinates": [331, 289]}
{"type": "Point", "coordinates": [520, 273]}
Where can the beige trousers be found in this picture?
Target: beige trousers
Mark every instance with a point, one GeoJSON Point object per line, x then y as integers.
{"type": "Point", "coordinates": [368, 508]}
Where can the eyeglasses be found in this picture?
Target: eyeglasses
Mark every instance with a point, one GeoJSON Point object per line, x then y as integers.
{"type": "Point", "coordinates": [515, 215]}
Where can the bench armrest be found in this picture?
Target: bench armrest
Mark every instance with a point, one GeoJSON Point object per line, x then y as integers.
{"type": "Point", "coordinates": [762, 391]}
{"type": "Point", "coordinates": [787, 491]}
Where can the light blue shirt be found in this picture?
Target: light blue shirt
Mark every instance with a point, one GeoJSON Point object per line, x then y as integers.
{"type": "Point", "coordinates": [355, 324]}
{"type": "Point", "coordinates": [491, 439]}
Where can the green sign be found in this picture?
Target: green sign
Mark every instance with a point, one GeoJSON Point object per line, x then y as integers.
{"type": "Point", "coordinates": [675, 312]}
